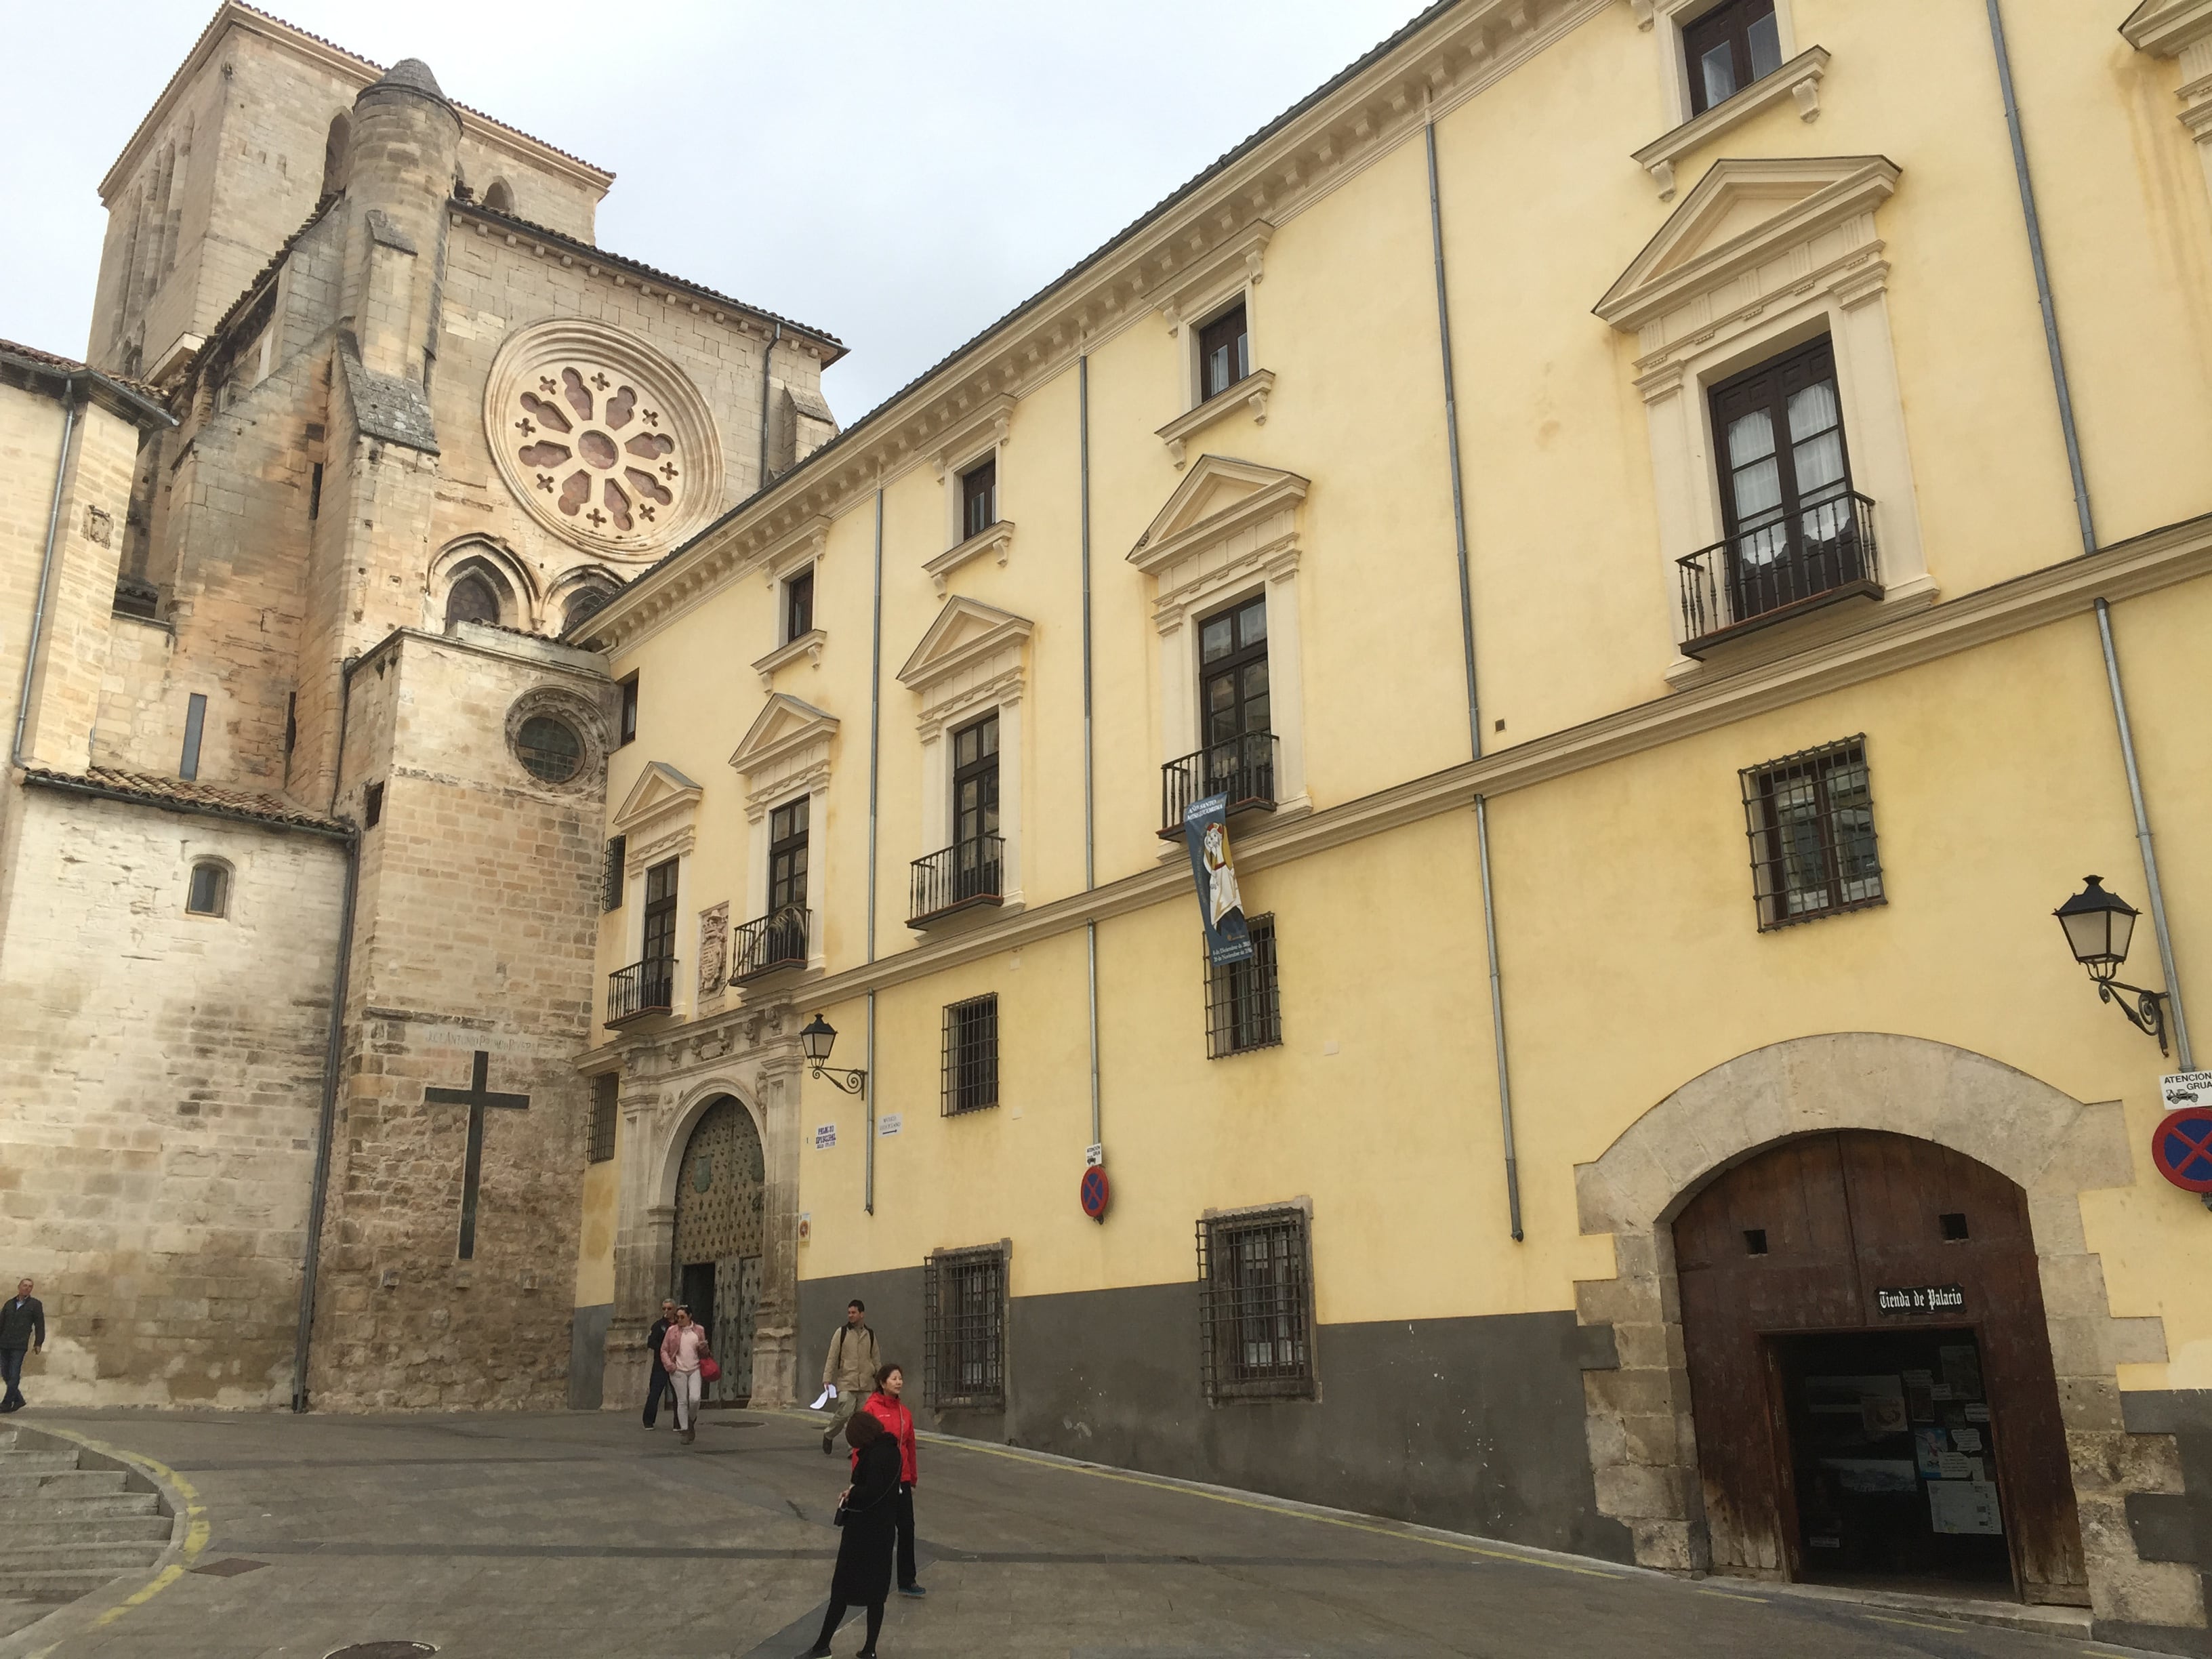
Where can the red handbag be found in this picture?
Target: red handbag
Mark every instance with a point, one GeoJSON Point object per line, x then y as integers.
{"type": "Point", "coordinates": [708, 1371]}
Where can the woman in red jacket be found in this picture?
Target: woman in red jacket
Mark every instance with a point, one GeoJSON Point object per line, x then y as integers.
{"type": "Point", "coordinates": [886, 1406]}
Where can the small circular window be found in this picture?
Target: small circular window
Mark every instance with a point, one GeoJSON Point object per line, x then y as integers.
{"type": "Point", "coordinates": [549, 748]}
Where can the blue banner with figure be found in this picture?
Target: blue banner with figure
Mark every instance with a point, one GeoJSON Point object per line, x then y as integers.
{"type": "Point", "coordinates": [1221, 907]}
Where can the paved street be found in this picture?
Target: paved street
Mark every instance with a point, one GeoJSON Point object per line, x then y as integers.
{"type": "Point", "coordinates": [580, 1535]}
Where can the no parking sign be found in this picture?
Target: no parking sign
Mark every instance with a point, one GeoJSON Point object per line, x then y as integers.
{"type": "Point", "coordinates": [2181, 1145]}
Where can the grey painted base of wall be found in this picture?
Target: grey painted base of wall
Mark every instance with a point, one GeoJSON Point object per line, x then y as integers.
{"type": "Point", "coordinates": [587, 1357]}
{"type": "Point", "coordinates": [1473, 1425]}
{"type": "Point", "coordinates": [2171, 1526]}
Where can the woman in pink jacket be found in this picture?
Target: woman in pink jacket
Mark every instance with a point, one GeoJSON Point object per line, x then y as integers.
{"type": "Point", "coordinates": [681, 1351]}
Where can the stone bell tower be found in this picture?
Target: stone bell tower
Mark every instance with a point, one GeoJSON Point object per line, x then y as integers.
{"type": "Point", "coordinates": [405, 158]}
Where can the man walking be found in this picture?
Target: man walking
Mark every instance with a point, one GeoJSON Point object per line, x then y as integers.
{"type": "Point", "coordinates": [659, 1383]}
{"type": "Point", "coordinates": [23, 1326]}
{"type": "Point", "coordinates": [850, 1367]}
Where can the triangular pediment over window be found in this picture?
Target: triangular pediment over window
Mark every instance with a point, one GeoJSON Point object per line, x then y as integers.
{"type": "Point", "coordinates": [1752, 229]}
{"type": "Point", "coordinates": [1218, 500]}
{"type": "Point", "coordinates": [966, 633]}
{"type": "Point", "coordinates": [784, 725]}
{"type": "Point", "coordinates": [660, 792]}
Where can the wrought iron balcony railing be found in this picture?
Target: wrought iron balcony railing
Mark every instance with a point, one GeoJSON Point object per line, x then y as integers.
{"type": "Point", "coordinates": [1781, 565]}
{"type": "Point", "coordinates": [643, 987]}
{"type": "Point", "coordinates": [1241, 768]}
{"type": "Point", "coordinates": [966, 874]}
{"type": "Point", "coordinates": [769, 944]}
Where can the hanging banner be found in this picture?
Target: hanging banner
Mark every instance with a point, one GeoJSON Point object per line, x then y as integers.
{"type": "Point", "coordinates": [1205, 831]}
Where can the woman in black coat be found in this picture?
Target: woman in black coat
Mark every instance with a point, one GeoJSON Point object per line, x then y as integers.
{"type": "Point", "coordinates": [864, 1552]}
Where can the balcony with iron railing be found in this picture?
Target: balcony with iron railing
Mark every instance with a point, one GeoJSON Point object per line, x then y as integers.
{"type": "Point", "coordinates": [641, 989]}
{"type": "Point", "coordinates": [965, 876]}
{"type": "Point", "coordinates": [770, 945]}
{"type": "Point", "coordinates": [1241, 768]}
{"type": "Point", "coordinates": [1780, 565]}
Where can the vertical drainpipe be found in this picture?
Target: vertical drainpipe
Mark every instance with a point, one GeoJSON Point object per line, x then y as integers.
{"type": "Point", "coordinates": [1090, 847]}
{"type": "Point", "coordinates": [1473, 702]}
{"type": "Point", "coordinates": [875, 750]}
{"type": "Point", "coordinates": [767, 356]}
{"type": "Point", "coordinates": [2042, 283]}
{"type": "Point", "coordinates": [46, 568]}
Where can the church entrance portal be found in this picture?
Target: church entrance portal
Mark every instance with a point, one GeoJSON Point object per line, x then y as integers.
{"type": "Point", "coordinates": [719, 1202]}
{"type": "Point", "coordinates": [1870, 1371]}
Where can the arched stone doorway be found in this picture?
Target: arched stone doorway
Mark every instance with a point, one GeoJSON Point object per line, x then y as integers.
{"type": "Point", "coordinates": [1643, 1436]}
{"type": "Point", "coordinates": [1870, 1373]}
{"type": "Point", "coordinates": [715, 1263]}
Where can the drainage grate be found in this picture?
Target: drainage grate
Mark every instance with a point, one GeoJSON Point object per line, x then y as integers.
{"type": "Point", "coordinates": [230, 1568]}
{"type": "Point", "coordinates": [382, 1650]}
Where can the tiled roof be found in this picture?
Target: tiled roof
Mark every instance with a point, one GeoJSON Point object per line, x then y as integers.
{"type": "Point", "coordinates": [274, 262]}
{"type": "Point", "coordinates": [174, 794]}
{"type": "Point", "coordinates": [617, 261]}
{"type": "Point", "coordinates": [136, 391]}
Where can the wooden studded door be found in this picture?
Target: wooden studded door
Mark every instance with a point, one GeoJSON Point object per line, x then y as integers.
{"type": "Point", "coordinates": [1780, 1261]}
{"type": "Point", "coordinates": [720, 1206]}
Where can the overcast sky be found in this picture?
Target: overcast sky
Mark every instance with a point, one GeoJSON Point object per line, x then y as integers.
{"type": "Point", "coordinates": [897, 174]}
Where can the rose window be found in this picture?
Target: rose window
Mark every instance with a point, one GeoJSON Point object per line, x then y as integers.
{"type": "Point", "coordinates": [596, 448]}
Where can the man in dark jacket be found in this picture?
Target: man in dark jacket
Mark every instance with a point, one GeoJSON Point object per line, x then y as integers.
{"type": "Point", "coordinates": [22, 1326]}
{"type": "Point", "coordinates": [658, 1385]}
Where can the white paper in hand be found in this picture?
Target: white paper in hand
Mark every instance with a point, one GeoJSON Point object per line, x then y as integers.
{"type": "Point", "coordinates": [828, 1393]}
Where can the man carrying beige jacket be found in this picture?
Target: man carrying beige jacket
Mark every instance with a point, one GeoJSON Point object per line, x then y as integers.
{"type": "Point", "coordinates": [850, 1367]}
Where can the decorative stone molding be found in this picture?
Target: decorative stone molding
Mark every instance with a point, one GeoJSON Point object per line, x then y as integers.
{"type": "Point", "coordinates": [603, 438]}
{"type": "Point", "coordinates": [1798, 79]}
{"type": "Point", "coordinates": [785, 752]}
{"type": "Point", "coordinates": [997, 538]}
{"type": "Point", "coordinates": [804, 543]}
{"type": "Point", "coordinates": [967, 663]}
{"type": "Point", "coordinates": [656, 817]}
{"type": "Point", "coordinates": [808, 645]}
{"type": "Point", "coordinates": [1250, 393]}
{"type": "Point", "coordinates": [1232, 264]}
{"type": "Point", "coordinates": [971, 432]}
{"type": "Point", "coordinates": [1642, 1433]}
{"type": "Point", "coordinates": [582, 716]}
{"type": "Point", "coordinates": [713, 949]}
{"type": "Point", "coordinates": [2181, 29]}
{"type": "Point", "coordinates": [1230, 530]}
{"type": "Point", "coordinates": [1672, 65]}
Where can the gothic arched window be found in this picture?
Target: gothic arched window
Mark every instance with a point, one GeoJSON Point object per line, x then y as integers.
{"type": "Point", "coordinates": [582, 602]}
{"type": "Point", "coordinates": [335, 148]}
{"type": "Point", "coordinates": [498, 197]}
{"type": "Point", "coordinates": [472, 598]}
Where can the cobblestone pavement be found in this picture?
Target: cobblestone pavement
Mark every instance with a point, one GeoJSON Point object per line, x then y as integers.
{"type": "Point", "coordinates": [580, 1535]}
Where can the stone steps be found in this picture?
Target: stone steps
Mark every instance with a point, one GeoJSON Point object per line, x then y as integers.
{"type": "Point", "coordinates": [63, 1483]}
{"type": "Point", "coordinates": [66, 1531]}
{"type": "Point", "coordinates": [45, 1504]}
{"type": "Point", "coordinates": [33, 1525]}
{"type": "Point", "coordinates": [14, 1460]}
{"type": "Point", "coordinates": [14, 1615]}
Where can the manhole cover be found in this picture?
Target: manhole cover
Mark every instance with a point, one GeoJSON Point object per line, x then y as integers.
{"type": "Point", "coordinates": [382, 1650]}
{"type": "Point", "coordinates": [231, 1568]}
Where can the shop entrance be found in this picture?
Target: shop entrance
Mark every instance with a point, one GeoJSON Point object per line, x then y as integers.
{"type": "Point", "coordinates": [1870, 1372]}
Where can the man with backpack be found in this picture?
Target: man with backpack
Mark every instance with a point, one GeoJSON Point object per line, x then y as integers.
{"type": "Point", "coordinates": [850, 1367]}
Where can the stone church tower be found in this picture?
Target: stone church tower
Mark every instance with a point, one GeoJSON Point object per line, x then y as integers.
{"type": "Point", "coordinates": [300, 873]}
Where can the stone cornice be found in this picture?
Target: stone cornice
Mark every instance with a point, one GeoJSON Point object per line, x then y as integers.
{"type": "Point", "coordinates": [2158, 560]}
{"type": "Point", "coordinates": [1448, 55]}
{"type": "Point", "coordinates": [1250, 393]}
{"type": "Point", "coordinates": [997, 537]}
{"type": "Point", "coordinates": [1239, 260]}
{"type": "Point", "coordinates": [1799, 78]}
{"type": "Point", "coordinates": [806, 644]}
{"type": "Point", "coordinates": [2163, 27]}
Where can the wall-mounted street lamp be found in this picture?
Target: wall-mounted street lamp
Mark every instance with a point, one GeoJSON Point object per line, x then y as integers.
{"type": "Point", "coordinates": [2099, 926]}
{"type": "Point", "coordinates": [818, 1037]}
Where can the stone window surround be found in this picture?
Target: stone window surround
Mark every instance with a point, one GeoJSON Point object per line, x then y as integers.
{"type": "Point", "coordinates": [981, 436]}
{"type": "Point", "coordinates": [657, 820]}
{"type": "Point", "coordinates": [1815, 267]}
{"type": "Point", "coordinates": [1642, 1431]}
{"type": "Point", "coordinates": [956, 688]}
{"type": "Point", "coordinates": [1798, 78]}
{"type": "Point", "coordinates": [447, 568]}
{"type": "Point", "coordinates": [785, 754]}
{"type": "Point", "coordinates": [1209, 565]}
{"type": "Point", "coordinates": [808, 645]}
{"type": "Point", "coordinates": [195, 857]}
{"type": "Point", "coordinates": [1674, 66]}
{"type": "Point", "coordinates": [1189, 303]}
{"type": "Point", "coordinates": [2181, 29]}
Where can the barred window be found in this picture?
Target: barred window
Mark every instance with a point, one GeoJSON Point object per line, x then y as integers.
{"type": "Point", "coordinates": [1810, 817]}
{"type": "Point", "coordinates": [1244, 1002]}
{"type": "Point", "coordinates": [1255, 1304]}
{"type": "Point", "coordinates": [606, 1094]}
{"type": "Point", "coordinates": [964, 1328]}
{"type": "Point", "coordinates": [971, 1055]}
{"type": "Point", "coordinates": [611, 884]}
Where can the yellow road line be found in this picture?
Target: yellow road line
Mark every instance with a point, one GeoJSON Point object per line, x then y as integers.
{"type": "Point", "coordinates": [1270, 1509]}
{"type": "Point", "coordinates": [197, 1530]}
{"type": "Point", "coordinates": [1916, 1624]}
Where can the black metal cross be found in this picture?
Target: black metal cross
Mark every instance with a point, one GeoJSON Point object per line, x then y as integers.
{"type": "Point", "coordinates": [476, 1097]}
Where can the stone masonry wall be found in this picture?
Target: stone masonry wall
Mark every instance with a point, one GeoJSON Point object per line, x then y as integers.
{"type": "Point", "coordinates": [157, 1127]}
{"type": "Point", "coordinates": [478, 913]}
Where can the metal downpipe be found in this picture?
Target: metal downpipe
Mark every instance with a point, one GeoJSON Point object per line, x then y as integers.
{"type": "Point", "coordinates": [45, 572]}
{"type": "Point", "coordinates": [1451, 444]}
{"type": "Point", "coordinates": [1497, 1020]}
{"type": "Point", "coordinates": [2043, 284]}
{"type": "Point", "coordinates": [2143, 840]}
{"type": "Point", "coordinates": [768, 357]}
{"type": "Point", "coordinates": [1089, 825]}
{"type": "Point", "coordinates": [875, 758]}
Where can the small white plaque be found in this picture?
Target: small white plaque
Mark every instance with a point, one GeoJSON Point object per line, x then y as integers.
{"type": "Point", "coordinates": [889, 1124]}
{"type": "Point", "coordinates": [825, 1137]}
{"type": "Point", "coordinates": [2185, 1088]}
{"type": "Point", "coordinates": [1094, 1156]}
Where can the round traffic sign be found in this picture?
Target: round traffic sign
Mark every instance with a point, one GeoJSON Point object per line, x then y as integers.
{"type": "Point", "coordinates": [1096, 1194]}
{"type": "Point", "coordinates": [2181, 1146]}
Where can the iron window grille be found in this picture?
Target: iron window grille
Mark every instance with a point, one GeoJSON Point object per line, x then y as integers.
{"type": "Point", "coordinates": [1256, 1305]}
{"type": "Point", "coordinates": [1243, 999]}
{"type": "Point", "coordinates": [964, 1328]}
{"type": "Point", "coordinates": [611, 879]}
{"type": "Point", "coordinates": [607, 1094]}
{"type": "Point", "coordinates": [971, 1055]}
{"type": "Point", "coordinates": [1810, 818]}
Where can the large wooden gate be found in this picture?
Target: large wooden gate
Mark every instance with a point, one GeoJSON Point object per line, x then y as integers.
{"type": "Point", "coordinates": [1799, 1241]}
{"type": "Point", "coordinates": [716, 1262]}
